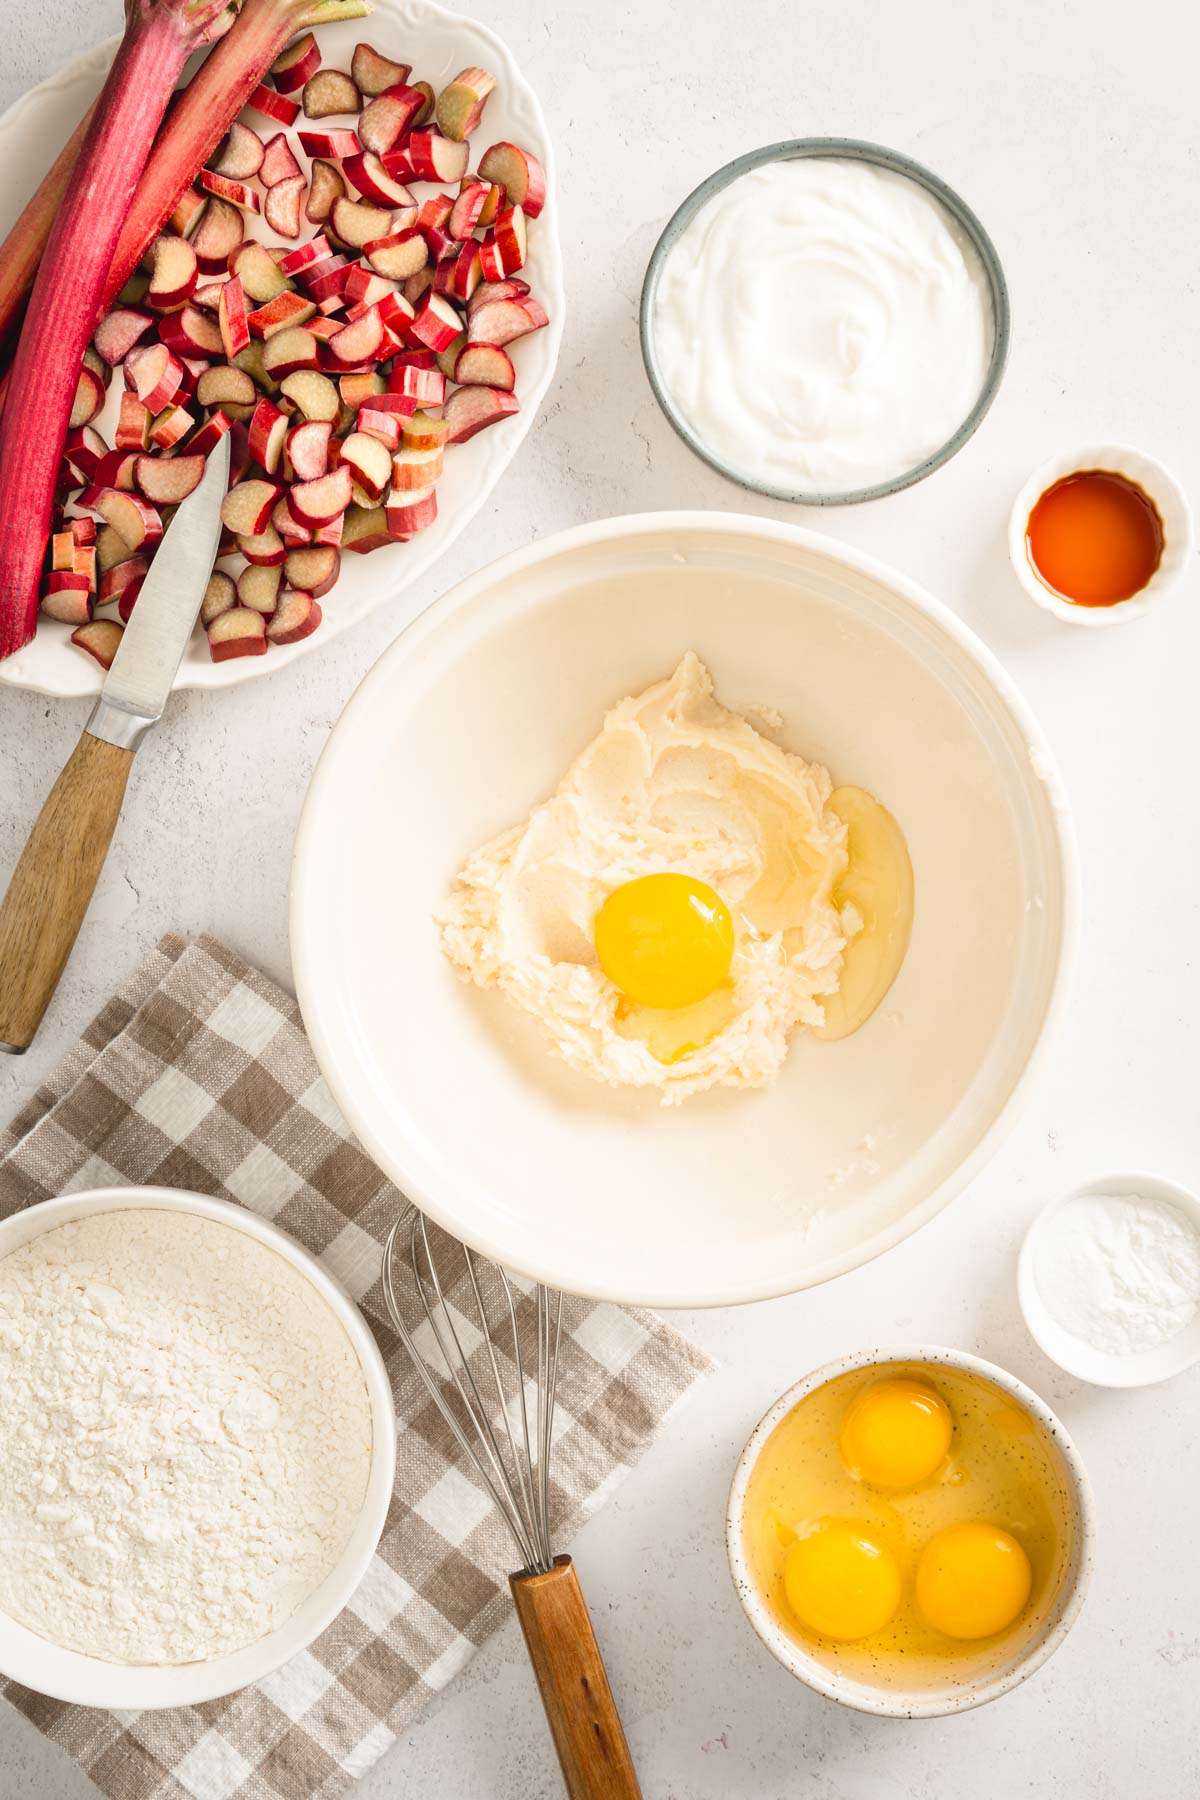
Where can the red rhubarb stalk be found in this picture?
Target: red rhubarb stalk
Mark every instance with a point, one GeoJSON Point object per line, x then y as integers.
{"type": "Point", "coordinates": [199, 120]}
{"type": "Point", "coordinates": [159, 37]}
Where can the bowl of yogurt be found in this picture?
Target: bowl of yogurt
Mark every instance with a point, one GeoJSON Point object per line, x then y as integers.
{"type": "Point", "coordinates": [824, 321]}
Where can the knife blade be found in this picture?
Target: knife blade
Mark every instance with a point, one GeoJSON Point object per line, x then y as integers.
{"type": "Point", "coordinates": [53, 882]}
{"type": "Point", "coordinates": [148, 657]}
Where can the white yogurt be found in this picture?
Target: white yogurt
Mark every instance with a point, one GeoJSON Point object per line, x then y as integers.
{"type": "Point", "coordinates": [823, 325]}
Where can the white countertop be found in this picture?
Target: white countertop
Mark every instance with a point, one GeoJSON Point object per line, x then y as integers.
{"type": "Point", "coordinates": [1071, 128]}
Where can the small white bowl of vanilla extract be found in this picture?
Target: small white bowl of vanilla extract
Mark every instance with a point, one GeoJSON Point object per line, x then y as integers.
{"type": "Point", "coordinates": [1099, 535]}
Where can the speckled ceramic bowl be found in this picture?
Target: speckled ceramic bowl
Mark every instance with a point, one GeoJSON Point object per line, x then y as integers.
{"type": "Point", "coordinates": [1052, 1619]}
{"type": "Point", "coordinates": [841, 150]}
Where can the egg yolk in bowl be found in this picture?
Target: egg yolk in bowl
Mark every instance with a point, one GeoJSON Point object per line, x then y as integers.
{"type": "Point", "coordinates": [909, 1525]}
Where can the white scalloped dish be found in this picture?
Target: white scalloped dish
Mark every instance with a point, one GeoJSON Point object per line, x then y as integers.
{"type": "Point", "coordinates": [438, 43]}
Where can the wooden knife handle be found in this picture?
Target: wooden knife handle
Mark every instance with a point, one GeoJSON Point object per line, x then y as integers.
{"type": "Point", "coordinates": [53, 883]}
{"type": "Point", "coordinates": [580, 1708]}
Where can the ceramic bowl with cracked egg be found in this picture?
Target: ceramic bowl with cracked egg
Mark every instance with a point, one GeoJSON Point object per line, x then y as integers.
{"type": "Point", "coordinates": [910, 1531]}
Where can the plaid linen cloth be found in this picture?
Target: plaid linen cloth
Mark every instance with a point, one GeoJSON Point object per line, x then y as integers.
{"type": "Point", "coordinates": [198, 1075]}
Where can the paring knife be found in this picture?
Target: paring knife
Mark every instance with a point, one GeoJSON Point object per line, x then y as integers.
{"type": "Point", "coordinates": [52, 884]}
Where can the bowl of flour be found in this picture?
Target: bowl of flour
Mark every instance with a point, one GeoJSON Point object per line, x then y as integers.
{"type": "Point", "coordinates": [197, 1448]}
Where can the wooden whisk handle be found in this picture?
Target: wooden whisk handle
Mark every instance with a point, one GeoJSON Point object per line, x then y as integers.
{"type": "Point", "coordinates": [579, 1704]}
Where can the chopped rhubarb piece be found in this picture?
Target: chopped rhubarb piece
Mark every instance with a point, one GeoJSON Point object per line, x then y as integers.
{"type": "Point", "coordinates": [89, 398]}
{"type": "Point", "coordinates": [312, 393]}
{"type": "Point", "coordinates": [174, 277]}
{"type": "Point", "coordinates": [246, 508]}
{"type": "Point", "coordinates": [460, 275]}
{"type": "Point", "coordinates": [71, 606]}
{"type": "Point", "coordinates": [435, 323]}
{"type": "Point", "coordinates": [485, 365]}
{"type": "Point", "coordinates": [131, 517]}
{"type": "Point", "coordinates": [287, 351]}
{"type": "Point", "coordinates": [384, 120]}
{"type": "Point", "coordinates": [222, 386]}
{"type": "Point", "coordinates": [365, 529]}
{"type": "Point", "coordinates": [460, 105]}
{"type": "Point", "coordinates": [327, 186]}
{"type": "Point", "coordinates": [373, 73]}
{"type": "Point", "coordinates": [331, 146]}
{"type": "Point", "coordinates": [219, 596]}
{"type": "Point", "coordinates": [424, 387]}
{"type": "Point", "coordinates": [83, 449]}
{"type": "Point", "coordinates": [500, 321]}
{"type": "Point", "coordinates": [191, 332]}
{"type": "Point", "coordinates": [283, 206]}
{"type": "Point", "coordinates": [398, 255]}
{"type": "Point", "coordinates": [511, 238]}
{"type": "Point", "coordinates": [471, 409]}
{"type": "Point", "coordinates": [218, 236]}
{"type": "Point", "coordinates": [357, 222]}
{"type": "Point", "coordinates": [379, 422]}
{"type": "Point", "coordinates": [315, 503]}
{"type": "Point", "coordinates": [235, 192]}
{"type": "Point", "coordinates": [296, 617]}
{"type": "Point", "coordinates": [239, 154]}
{"type": "Point", "coordinates": [298, 64]}
{"type": "Point", "coordinates": [101, 639]}
{"type": "Point", "coordinates": [326, 280]}
{"type": "Point", "coordinates": [274, 105]}
{"type": "Point", "coordinates": [268, 430]}
{"type": "Point", "coordinates": [519, 173]}
{"type": "Point", "coordinates": [464, 214]}
{"type": "Point", "coordinates": [258, 587]}
{"type": "Point", "coordinates": [133, 424]}
{"type": "Point", "coordinates": [119, 331]}
{"type": "Point", "coordinates": [512, 288]}
{"type": "Point", "coordinates": [238, 632]}
{"type": "Point", "coordinates": [413, 470]}
{"type": "Point", "coordinates": [231, 317]}
{"type": "Point", "coordinates": [154, 375]}
{"type": "Point", "coordinates": [369, 177]}
{"type": "Point", "coordinates": [317, 249]}
{"type": "Point", "coordinates": [187, 212]}
{"type": "Point", "coordinates": [128, 574]}
{"type": "Point", "coordinates": [329, 92]}
{"type": "Point", "coordinates": [287, 310]}
{"type": "Point", "coordinates": [171, 427]}
{"type": "Point", "coordinates": [360, 342]}
{"type": "Point", "coordinates": [205, 440]}
{"type": "Point", "coordinates": [436, 158]}
{"type": "Point", "coordinates": [62, 552]}
{"type": "Point", "coordinates": [267, 549]}
{"type": "Point", "coordinates": [369, 462]}
{"type": "Point", "coordinates": [278, 163]}
{"type": "Point", "coordinates": [409, 513]}
{"type": "Point", "coordinates": [166, 480]}
{"type": "Point", "coordinates": [314, 569]}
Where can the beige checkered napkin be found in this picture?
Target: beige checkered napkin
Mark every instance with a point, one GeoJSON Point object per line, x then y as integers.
{"type": "Point", "coordinates": [198, 1075]}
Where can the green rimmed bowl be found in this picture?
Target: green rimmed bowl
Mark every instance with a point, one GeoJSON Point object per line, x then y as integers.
{"type": "Point", "coordinates": [839, 150]}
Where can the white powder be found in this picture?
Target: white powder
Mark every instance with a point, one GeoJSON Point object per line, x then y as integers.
{"type": "Point", "coordinates": [185, 1437]}
{"type": "Point", "coordinates": [1119, 1271]}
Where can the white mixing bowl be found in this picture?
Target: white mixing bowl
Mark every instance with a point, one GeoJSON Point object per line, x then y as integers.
{"type": "Point", "coordinates": [471, 718]}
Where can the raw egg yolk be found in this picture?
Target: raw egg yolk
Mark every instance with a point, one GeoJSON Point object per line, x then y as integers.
{"type": "Point", "coordinates": [665, 940]}
{"type": "Point", "coordinates": [896, 1433]}
{"type": "Point", "coordinates": [841, 1582]}
{"type": "Point", "coordinates": [972, 1580]}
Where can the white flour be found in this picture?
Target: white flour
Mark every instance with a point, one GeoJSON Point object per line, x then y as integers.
{"type": "Point", "coordinates": [1119, 1271]}
{"type": "Point", "coordinates": [185, 1437]}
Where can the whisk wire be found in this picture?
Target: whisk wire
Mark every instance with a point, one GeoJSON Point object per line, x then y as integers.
{"type": "Point", "coordinates": [519, 1483]}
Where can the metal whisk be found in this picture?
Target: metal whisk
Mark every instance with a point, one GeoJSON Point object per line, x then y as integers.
{"type": "Point", "coordinates": [490, 1418]}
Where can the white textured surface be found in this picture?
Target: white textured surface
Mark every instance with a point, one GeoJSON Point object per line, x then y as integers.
{"type": "Point", "coordinates": [1072, 129]}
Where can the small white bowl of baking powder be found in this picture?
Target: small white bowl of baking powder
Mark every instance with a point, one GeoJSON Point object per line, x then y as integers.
{"type": "Point", "coordinates": [1109, 1280]}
